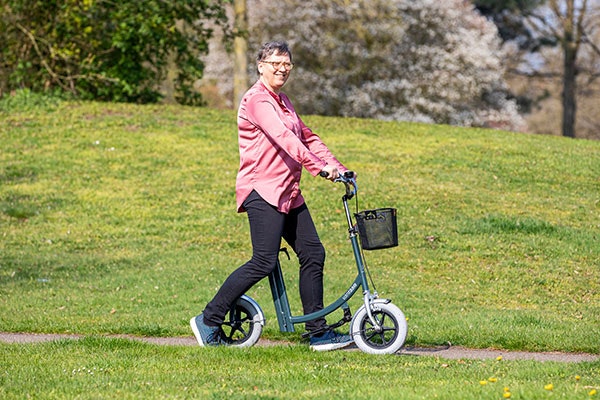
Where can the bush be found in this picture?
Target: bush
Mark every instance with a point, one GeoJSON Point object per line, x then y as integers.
{"type": "Point", "coordinates": [25, 100]}
{"type": "Point", "coordinates": [110, 51]}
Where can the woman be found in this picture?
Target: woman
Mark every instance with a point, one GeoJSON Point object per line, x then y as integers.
{"type": "Point", "coordinates": [274, 146]}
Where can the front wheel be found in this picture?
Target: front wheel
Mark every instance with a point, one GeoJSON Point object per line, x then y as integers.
{"type": "Point", "coordinates": [243, 323]}
{"type": "Point", "coordinates": [391, 335]}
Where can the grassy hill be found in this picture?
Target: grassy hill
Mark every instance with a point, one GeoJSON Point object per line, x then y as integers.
{"type": "Point", "coordinates": [121, 218]}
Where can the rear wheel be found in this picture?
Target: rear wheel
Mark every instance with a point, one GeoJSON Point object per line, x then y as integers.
{"type": "Point", "coordinates": [391, 335]}
{"type": "Point", "coordinates": [243, 323]}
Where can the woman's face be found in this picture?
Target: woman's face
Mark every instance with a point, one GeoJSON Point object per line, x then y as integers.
{"type": "Point", "coordinates": [275, 70]}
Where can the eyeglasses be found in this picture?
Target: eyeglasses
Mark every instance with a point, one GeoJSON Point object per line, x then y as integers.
{"type": "Point", "coordinates": [278, 64]}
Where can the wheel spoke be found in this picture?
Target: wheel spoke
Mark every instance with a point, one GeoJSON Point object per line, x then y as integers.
{"type": "Point", "coordinates": [239, 329]}
{"type": "Point", "coordinates": [237, 319]}
{"type": "Point", "coordinates": [382, 320]}
{"type": "Point", "coordinates": [383, 337]}
{"type": "Point", "coordinates": [370, 337]}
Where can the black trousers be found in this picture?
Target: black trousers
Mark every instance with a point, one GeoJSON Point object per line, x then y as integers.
{"type": "Point", "coordinates": [267, 227]}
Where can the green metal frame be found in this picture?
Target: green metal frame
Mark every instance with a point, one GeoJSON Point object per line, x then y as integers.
{"type": "Point", "coordinates": [282, 306]}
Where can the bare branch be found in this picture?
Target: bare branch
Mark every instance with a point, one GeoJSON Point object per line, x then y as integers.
{"type": "Point", "coordinates": [580, 21]}
{"type": "Point", "coordinates": [590, 124]}
{"type": "Point", "coordinates": [540, 24]}
{"type": "Point", "coordinates": [60, 79]}
{"type": "Point", "coordinates": [50, 71]}
{"type": "Point", "coordinates": [592, 76]}
{"type": "Point", "coordinates": [594, 46]}
{"type": "Point", "coordinates": [535, 74]}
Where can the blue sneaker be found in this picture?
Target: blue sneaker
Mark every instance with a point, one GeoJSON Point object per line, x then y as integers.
{"type": "Point", "coordinates": [330, 340]}
{"type": "Point", "coordinates": [206, 335]}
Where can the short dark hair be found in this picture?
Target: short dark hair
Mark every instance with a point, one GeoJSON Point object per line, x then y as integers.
{"type": "Point", "coordinates": [271, 48]}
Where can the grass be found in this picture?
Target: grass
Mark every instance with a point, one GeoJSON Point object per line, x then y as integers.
{"type": "Point", "coordinates": [115, 368]}
{"type": "Point", "coordinates": [119, 218]}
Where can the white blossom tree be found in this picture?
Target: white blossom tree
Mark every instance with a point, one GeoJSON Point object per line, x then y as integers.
{"type": "Point", "coordinates": [412, 60]}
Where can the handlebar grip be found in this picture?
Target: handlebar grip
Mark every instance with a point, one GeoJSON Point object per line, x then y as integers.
{"type": "Point", "coordinates": [348, 174]}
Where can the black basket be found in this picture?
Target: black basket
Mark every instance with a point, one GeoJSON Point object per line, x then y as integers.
{"type": "Point", "coordinates": [378, 229]}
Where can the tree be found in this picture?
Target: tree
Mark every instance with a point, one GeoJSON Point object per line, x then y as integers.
{"type": "Point", "coordinates": [508, 17]}
{"type": "Point", "coordinates": [114, 51]}
{"type": "Point", "coordinates": [569, 24]}
{"type": "Point", "coordinates": [240, 50]}
{"type": "Point", "coordinates": [425, 60]}
{"type": "Point", "coordinates": [572, 23]}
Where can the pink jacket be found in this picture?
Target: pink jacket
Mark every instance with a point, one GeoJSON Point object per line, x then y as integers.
{"type": "Point", "coordinates": [274, 146]}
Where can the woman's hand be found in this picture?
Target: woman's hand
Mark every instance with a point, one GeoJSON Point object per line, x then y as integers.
{"type": "Point", "coordinates": [330, 172]}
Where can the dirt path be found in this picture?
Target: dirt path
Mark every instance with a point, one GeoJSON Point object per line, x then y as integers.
{"type": "Point", "coordinates": [448, 352]}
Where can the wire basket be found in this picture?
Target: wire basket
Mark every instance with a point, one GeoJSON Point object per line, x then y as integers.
{"type": "Point", "coordinates": [377, 229]}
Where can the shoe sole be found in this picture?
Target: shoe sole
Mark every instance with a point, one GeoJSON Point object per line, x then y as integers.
{"type": "Point", "coordinates": [329, 346]}
{"type": "Point", "coordinates": [196, 332]}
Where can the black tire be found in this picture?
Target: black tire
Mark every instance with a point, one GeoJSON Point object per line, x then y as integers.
{"type": "Point", "coordinates": [243, 323]}
{"type": "Point", "coordinates": [387, 341]}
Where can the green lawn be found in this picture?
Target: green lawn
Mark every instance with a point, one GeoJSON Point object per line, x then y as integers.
{"type": "Point", "coordinates": [111, 368]}
{"type": "Point", "coordinates": [118, 218]}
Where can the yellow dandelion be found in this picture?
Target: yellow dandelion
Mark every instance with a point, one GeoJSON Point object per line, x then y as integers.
{"type": "Point", "coordinates": [483, 382]}
{"type": "Point", "coordinates": [593, 392]}
{"type": "Point", "coordinates": [499, 358]}
{"type": "Point", "coordinates": [577, 377]}
{"type": "Point", "coordinates": [506, 389]}
{"type": "Point", "coordinates": [549, 386]}
{"type": "Point", "coordinates": [506, 395]}
{"type": "Point", "coordinates": [492, 379]}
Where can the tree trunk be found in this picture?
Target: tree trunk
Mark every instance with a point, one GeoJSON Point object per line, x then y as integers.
{"type": "Point", "coordinates": [240, 49]}
{"type": "Point", "coordinates": [569, 45]}
{"type": "Point", "coordinates": [569, 99]}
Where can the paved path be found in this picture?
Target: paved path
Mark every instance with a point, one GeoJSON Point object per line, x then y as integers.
{"type": "Point", "coordinates": [448, 352]}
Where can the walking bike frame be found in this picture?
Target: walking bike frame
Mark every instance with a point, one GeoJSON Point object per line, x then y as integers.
{"type": "Point", "coordinates": [282, 306]}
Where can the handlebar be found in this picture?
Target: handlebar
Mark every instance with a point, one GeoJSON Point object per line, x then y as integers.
{"type": "Point", "coordinates": [348, 179]}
